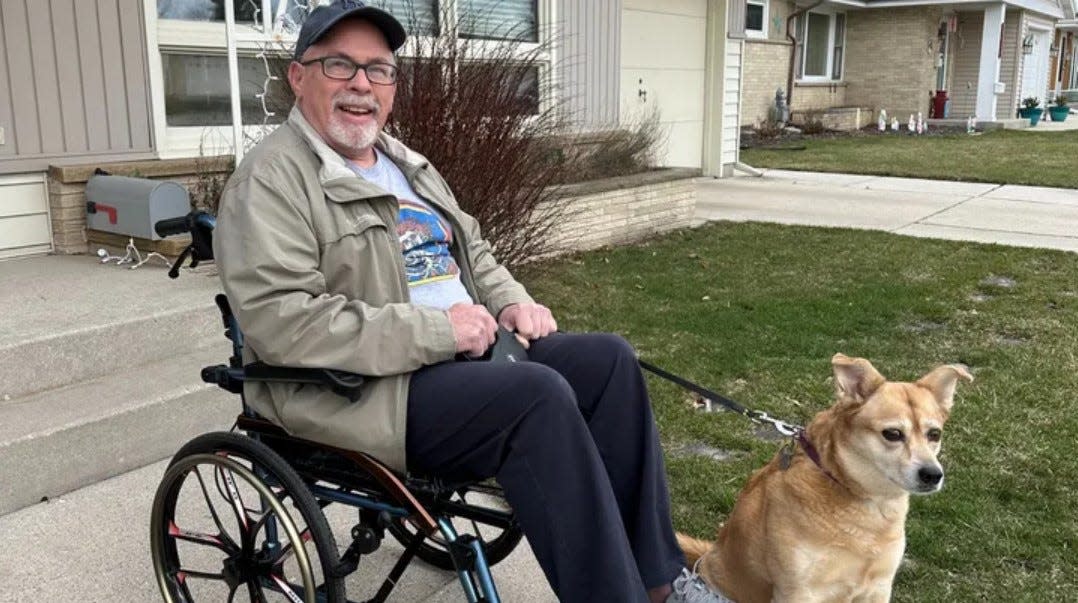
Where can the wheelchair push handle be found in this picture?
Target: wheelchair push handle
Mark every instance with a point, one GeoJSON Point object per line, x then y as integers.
{"type": "Point", "coordinates": [200, 225]}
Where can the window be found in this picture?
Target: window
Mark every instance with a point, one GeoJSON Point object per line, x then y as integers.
{"type": "Point", "coordinates": [756, 18]}
{"type": "Point", "coordinates": [197, 92]}
{"type": "Point", "coordinates": [821, 43]}
{"type": "Point", "coordinates": [499, 19]}
{"type": "Point", "coordinates": [191, 87]}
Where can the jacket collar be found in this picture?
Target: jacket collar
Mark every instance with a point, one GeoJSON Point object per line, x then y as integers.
{"type": "Point", "coordinates": [339, 181]}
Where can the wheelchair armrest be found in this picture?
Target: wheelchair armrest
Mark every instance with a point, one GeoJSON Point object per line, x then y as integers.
{"type": "Point", "coordinates": [341, 383]}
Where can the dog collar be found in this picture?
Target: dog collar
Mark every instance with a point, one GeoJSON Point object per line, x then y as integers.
{"type": "Point", "coordinates": [813, 454]}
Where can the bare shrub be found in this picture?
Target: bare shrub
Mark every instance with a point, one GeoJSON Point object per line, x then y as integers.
{"type": "Point", "coordinates": [812, 122]}
{"type": "Point", "coordinates": [768, 129]}
{"type": "Point", "coordinates": [474, 109]}
{"type": "Point", "coordinates": [629, 149]}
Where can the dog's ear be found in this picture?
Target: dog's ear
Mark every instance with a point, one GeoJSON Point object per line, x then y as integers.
{"type": "Point", "coordinates": [855, 378]}
{"type": "Point", "coordinates": [942, 381]}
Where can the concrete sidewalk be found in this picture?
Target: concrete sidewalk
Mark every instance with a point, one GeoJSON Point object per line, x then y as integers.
{"type": "Point", "coordinates": [93, 544]}
{"type": "Point", "coordinates": [1024, 216]}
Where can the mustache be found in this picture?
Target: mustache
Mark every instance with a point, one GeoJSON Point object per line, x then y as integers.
{"type": "Point", "coordinates": [363, 102]}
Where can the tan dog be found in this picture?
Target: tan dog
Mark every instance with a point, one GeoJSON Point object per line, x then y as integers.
{"type": "Point", "coordinates": [833, 529]}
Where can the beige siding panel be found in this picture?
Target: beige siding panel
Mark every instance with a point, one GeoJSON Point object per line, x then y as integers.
{"type": "Point", "coordinates": [589, 34]}
{"type": "Point", "coordinates": [74, 84]}
{"type": "Point", "coordinates": [69, 79]}
{"type": "Point", "coordinates": [1009, 74]}
{"type": "Point", "coordinates": [24, 123]}
{"type": "Point", "coordinates": [94, 105]}
{"type": "Point", "coordinates": [966, 65]}
{"type": "Point", "coordinates": [6, 121]}
{"type": "Point", "coordinates": [42, 61]}
{"type": "Point", "coordinates": [112, 57]}
{"type": "Point", "coordinates": [135, 82]}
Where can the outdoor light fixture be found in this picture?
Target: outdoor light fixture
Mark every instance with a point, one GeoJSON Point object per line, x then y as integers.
{"type": "Point", "coordinates": [1027, 44]}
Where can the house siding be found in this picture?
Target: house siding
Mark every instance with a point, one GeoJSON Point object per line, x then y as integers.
{"type": "Point", "coordinates": [901, 79]}
{"type": "Point", "coordinates": [967, 58]}
{"type": "Point", "coordinates": [590, 31]}
{"type": "Point", "coordinates": [732, 101]}
{"type": "Point", "coordinates": [77, 79]}
{"type": "Point", "coordinates": [1010, 65]}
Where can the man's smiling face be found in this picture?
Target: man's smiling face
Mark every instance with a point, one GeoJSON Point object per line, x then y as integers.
{"type": "Point", "coordinates": [347, 114]}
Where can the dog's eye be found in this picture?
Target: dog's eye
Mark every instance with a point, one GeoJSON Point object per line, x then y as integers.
{"type": "Point", "coordinates": [892, 435]}
{"type": "Point", "coordinates": [934, 435]}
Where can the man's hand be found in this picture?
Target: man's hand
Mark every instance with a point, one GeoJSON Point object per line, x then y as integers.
{"type": "Point", "coordinates": [529, 321]}
{"type": "Point", "coordinates": [473, 328]}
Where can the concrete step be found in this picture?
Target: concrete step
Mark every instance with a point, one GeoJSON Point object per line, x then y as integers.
{"type": "Point", "coordinates": [62, 439]}
{"type": "Point", "coordinates": [67, 319]}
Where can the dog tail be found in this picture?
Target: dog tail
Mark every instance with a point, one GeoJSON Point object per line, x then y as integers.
{"type": "Point", "coordinates": [692, 547]}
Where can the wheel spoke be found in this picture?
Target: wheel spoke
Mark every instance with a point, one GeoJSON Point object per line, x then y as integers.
{"type": "Point", "coordinates": [285, 588]}
{"type": "Point", "coordinates": [255, 590]}
{"type": "Point", "coordinates": [222, 532]}
{"type": "Point", "coordinates": [183, 574]}
{"type": "Point", "coordinates": [289, 550]}
{"type": "Point", "coordinates": [231, 493]}
{"type": "Point", "coordinates": [215, 541]}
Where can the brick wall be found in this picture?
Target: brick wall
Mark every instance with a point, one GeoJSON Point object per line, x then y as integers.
{"type": "Point", "coordinates": [767, 65]}
{"type": "Point", "coordinates": [623, 210]}
{"type": "Point", "coordinates": [890, 59]}
{"type": "Point", "coordinates": [813, 96]}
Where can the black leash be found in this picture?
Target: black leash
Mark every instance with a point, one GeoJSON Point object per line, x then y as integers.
{"type": "Point", "coordinates": [756, 416]}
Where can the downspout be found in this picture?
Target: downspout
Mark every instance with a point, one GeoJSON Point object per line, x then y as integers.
{"type": "Point", "coordinates": [793, 52]}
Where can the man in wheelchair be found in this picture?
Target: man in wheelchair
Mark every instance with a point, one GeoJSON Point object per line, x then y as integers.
{"type": "Point", "coordinates": [341, 248]}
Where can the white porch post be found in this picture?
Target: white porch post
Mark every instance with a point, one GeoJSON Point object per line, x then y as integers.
{"type": "Point", "coordinates": [715, 88]}
{"type": "Point", "coordinates": [990, 61]}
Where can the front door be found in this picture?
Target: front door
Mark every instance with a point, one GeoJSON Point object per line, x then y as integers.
{"type": "Point", "coordinates": [1035, 67]}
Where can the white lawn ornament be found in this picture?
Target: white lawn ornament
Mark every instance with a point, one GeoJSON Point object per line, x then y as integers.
{"type": "Point", "coordinates": [894, 124]}
{"type": "Point", "coordinates": [920, 123]}
{"type": "Point", "coordinates": [882, 121]}
{"type": "Point", "coordinates": [911, 125]}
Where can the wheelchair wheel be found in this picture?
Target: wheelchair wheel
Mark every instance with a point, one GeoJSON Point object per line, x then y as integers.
{"type": "Point", "coordinates": [498, 539]}
{"type": "Point", "coordinates": [232, 520]}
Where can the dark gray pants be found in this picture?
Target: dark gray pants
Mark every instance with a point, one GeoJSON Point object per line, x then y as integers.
{"type": "Point", "coordinates": [571, 438]}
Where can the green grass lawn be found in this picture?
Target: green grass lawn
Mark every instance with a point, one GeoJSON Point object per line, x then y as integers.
{"type": "Point", "coordinates": [1001, 156]}
{"type": "Point", "coordinates": [756, 311]}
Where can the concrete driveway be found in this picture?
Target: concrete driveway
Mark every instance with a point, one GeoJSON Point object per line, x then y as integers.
{"type": "Point", "coordinates": [1024, 216]}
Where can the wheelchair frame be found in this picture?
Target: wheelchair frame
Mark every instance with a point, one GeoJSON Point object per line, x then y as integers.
{"type": "Point", "coordinates": [280, 468]}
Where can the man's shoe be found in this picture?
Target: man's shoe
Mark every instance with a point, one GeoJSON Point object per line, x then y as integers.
{"type": "Point", "coordinates": [689, 587]}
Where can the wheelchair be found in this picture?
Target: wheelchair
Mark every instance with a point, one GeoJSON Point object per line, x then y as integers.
{"type": "Point", "coordinates": [244, 513]}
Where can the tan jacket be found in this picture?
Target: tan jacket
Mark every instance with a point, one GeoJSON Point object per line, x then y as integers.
{"type": "Point", "coordinates": [310, 260]}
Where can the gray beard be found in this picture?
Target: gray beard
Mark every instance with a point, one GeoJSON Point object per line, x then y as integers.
{"type": "Point", "coordinates": [351, 139]}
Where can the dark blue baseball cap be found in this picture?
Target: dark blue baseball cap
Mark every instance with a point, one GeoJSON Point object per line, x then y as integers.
{"type": "Point", "coordinates": [323, 18]}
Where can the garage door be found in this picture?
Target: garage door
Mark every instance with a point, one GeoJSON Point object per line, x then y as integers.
{"type": "Point", "coordinates": [24, 216]}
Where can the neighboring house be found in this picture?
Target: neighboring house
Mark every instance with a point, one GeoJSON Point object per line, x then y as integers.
{"type": "Point", "coordinates": [1064, 66]}
{"type": "Point", "coordinates": [855, 57]}
{"type": "Point", "coordinates": [90, 82]}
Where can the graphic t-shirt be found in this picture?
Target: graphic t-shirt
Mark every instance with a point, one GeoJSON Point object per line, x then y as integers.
{"type": "Point", "coordinates": [425, 238]}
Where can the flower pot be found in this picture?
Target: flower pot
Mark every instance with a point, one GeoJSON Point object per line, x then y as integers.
{"type": "Point", "coordinates": [1059, 113]}
{"type": "Point", "coordinates": [1023, 112]}
{"type": "Point", "coordinates": [1035, 115]}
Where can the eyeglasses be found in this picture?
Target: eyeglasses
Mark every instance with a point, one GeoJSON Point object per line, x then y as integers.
{"type": "Point", "coordinates": [342, 68]}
